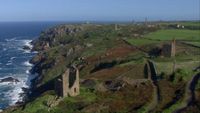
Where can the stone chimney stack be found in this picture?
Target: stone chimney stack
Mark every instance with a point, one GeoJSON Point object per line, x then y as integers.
{"type": "Point", "coordinates": [65, 83]}
{"type": "Point", "coordinates": [116, 27]}
{"type": "Point", "coordinates": [77, 84]}
{"type": "Point", "coordinates": [173, 48]}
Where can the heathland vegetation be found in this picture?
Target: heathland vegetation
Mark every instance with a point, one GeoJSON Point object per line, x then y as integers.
{"type": "Point", "coordinates": [122, 68]}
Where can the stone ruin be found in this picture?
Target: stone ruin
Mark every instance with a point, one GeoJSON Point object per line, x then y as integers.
{"type": "Point", "coordinates": [169, 50]}
{"type": "Point", "coordinates": [68, 83]}
{"type": "Point", "coordinates": [117, 27]}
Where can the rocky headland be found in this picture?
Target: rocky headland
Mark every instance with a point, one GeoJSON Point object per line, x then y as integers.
{"type": "Point", "coordinates": [116, 76]}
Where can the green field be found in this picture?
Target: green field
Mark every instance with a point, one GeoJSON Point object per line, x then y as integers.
{"type": "Point", "coordinates": [174, 33]}
{"type": "Point", "coordinates": [167, 67]}
{"type": "Point", "coordinates": [196, 43]}
{"type": "Point", "coordinates": [166, 35]}
{"type": "Point", "coordinates": [189, 23]}
{"type": "Point", "coordinates": [195, 24]}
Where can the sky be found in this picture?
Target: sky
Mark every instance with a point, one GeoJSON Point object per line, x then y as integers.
{"type": "Point", "coordinates": [98, 10]}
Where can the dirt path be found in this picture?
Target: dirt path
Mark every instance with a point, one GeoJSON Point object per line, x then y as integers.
{"type": "Point", "coordinates": [189, 93]}
{"type": "Point", "coordinates": [156, 93]}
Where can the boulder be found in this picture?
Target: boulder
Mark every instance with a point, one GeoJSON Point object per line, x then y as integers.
{"type": "Point", "coordinates": [115, 85]}
{"type": "Point", "coordinates": [89, 45]}
{"type": "Point", "coordinates": [26, 48]}
{"type": "Point", "coordinates": [9, 79]}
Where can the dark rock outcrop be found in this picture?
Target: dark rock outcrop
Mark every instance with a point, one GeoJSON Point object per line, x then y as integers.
{"type": "Point", "coordinates": [59, 35]}
{"type": "Point", "coordinates": [9, 79]}
{"type": "Point", "coordinates": [114, 85]}
{"type": "Point", "coordinates": [26, 48]}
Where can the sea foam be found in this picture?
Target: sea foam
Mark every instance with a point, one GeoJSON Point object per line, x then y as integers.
{"type": "Point", "coordinates": [28, 43]}
{"type": "Point", "coordinates": [15, 92]}
{"type": "Point", "coordinates": [28, 64]}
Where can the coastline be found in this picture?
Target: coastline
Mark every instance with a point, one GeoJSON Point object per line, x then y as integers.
{"type": "Point", "coordinates": [25, 90]}
{"type": "Point", "coordinates": [103, 73]}
{"type": "Point", "coordinates": [31, 75]}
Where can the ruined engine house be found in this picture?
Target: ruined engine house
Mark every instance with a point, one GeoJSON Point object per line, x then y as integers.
{"type": "Point", "coordinates": [169, 50]}
{"type": "Point", "coordinates": [68, 83]}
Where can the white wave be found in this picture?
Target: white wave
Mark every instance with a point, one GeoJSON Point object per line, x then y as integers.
{"type": "Point", "coordinates": [14, 95]}
{"type": "Point", "coordinates": [27, 51]}
{"type": "Point", "coordinates": [9, 63]}
{"type": "Point", "coordinates": [5, 83]}
{"type": "Point", "coordinates": [28, 64]}
{"type": "Point", "coordinates": [12, 39]}
{"type": "Point", "coordinates": [35, 52]}
{"type": "Point", "coordinates": [12, 58]}
{"type": "Point", "coordinates": [24, 42]}
{"type": "Point", "coordinates": [4, 49]}
{"type": "Point", "coordinates": [28, 43]}
{"type": "Point", "coordinates": [27, 72]}
{"type": "Point", "coordinates": [8, 83]}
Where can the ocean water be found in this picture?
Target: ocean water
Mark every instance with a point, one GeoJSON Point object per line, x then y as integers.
{"type": "Point", "coordinates": [14, 61]}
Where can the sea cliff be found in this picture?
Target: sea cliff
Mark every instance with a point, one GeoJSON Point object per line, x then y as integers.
{"type": "Point", "coordinates": [114, 70]}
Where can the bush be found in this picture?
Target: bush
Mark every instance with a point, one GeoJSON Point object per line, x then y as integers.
{"type": "Point", "coordinates": [183, 74]}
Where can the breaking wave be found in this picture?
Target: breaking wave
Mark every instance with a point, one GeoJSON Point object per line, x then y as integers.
{"type": "Point", "coordinates": [14, 63]}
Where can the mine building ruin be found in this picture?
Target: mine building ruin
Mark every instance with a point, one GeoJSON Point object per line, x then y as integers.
{"type": "Point", "coordinates": [169, 50]}
{"type": "Point", "coordinates": [68, 83]}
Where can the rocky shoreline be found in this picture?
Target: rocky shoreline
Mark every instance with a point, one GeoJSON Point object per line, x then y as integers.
{"type": "Point", "coordinates": [119, 70]}
{"type": "Point", "coordinates": [9, 79]}
{"type": "Point", "coordinates": [25, 91]}
{"type": "Point", "coordinates": [40, 45]}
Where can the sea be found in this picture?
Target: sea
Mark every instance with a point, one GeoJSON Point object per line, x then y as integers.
{"type": "Point", "coordinates": [14, 60]}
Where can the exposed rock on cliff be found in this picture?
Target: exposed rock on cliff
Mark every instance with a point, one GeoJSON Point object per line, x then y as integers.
{"type": "Point", "coordinates": [57, 47]}
{"type": "Point", "coordinates": [60, 35]}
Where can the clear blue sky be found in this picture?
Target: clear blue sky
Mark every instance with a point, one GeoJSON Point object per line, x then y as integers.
{"type": "Point", "coordinates": [98, 10]}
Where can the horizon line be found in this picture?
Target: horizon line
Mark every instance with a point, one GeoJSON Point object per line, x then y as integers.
{"type": "Point", "coordinates": [93, 21]}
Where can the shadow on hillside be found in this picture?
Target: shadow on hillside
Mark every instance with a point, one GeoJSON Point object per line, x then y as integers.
{"type": "Point", "coordinates": [37, 92]}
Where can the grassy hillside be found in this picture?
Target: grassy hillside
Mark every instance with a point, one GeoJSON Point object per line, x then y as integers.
{"type": "Point", "coordinates": [174, 34]}
{"type": "Point", "coordinates": [114, 73]}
